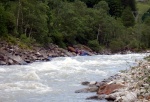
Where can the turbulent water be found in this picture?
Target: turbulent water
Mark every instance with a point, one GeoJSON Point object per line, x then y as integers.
{"type": "Point", "coordinates": [56, 81]}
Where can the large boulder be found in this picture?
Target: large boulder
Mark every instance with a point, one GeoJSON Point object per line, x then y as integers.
{"type": "Point", "coordinates": [10, 62]}
{"type": "Point", "coordinates": [129, 97]}
{"type": "Point", "coordinates": [3, 59]}
{"type": "Point", "coordinates": [71, 49]}
{"type": "Point", "coordinates": [16, 59]}
{"type": "Point", "coordinates": [108, 88]}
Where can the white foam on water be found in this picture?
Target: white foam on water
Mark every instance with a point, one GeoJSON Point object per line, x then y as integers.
{"type": "Point", "coordinates": [31, 76]}
{"type": "Point", "coordinates": [2, 70]}
{"type": "Point", "coordinates": [26, 86]}
{"type": "Point", "coordinates": [97, 72]}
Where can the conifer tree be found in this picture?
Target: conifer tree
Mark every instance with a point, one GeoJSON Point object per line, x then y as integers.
{"type": "Point", "coordinates": [127, 17]}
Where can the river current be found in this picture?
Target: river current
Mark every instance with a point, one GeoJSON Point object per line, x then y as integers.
{"type": "Point", "coordinates": [57, 80]}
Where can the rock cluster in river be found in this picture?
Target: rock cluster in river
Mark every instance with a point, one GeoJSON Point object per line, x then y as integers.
{"type": "Point", "coordinates": [14, 55]}
{"type": "Point", "coordinates": [128, 86]}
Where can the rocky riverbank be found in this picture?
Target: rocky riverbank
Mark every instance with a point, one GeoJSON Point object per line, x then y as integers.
{"type": "Point", "coordinates": [13, 54]}
{"type": "Point", "coordinates": [127, 86]}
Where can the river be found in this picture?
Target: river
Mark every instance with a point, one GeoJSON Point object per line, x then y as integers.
{"type": "Point", "coordinates": [57, 80]}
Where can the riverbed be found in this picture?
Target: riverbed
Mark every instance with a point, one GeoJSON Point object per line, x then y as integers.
{"type": "Point", "coordinates": [57, 80]}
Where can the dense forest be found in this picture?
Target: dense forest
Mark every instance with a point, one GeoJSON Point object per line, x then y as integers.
{"type": "Point", "coordinates": [99, 24]}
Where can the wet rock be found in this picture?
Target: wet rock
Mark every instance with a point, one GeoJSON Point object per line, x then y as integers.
{"type": "Point", "coordinates": [34, 57]}
{"type": "Point", "coordinates": [85, 83]}
{"type": "Point", "coordinates": [110, 98]}
{"type": "Point", "coordinates": [17, 59]}
{"type": "Point", "coordinates": [100, 84]}
{"type": "Point", "coordinates": [86, 90]}
{"type": "Point", "coordinates": [148, 97]}
{"type": "Point", "coordinates": [28, 61]}
{"type": "Point", "coordinates": [10, 62]}
{"type": "Point", "coordinates": [146, 85]}
{"type": "Point", "coordinates": [129, 97]}
{"type": "Point", "coordinates": [108, 88]}
{"type": "Point", "coordinates": [97, 97]}
{"type": "Point", "coordinates": [92, 83]}
{"type": "Point", "coordinates": [3, 63]}
{"type": "Point", "coordinates": [71, 49]}
{"type": "Point", "coordinates": [92, 98]}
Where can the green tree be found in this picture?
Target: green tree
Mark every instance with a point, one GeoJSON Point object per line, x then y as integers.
{"type": "Point", "coordinates": [7, 20]}
{"type": "Point", "coordinates": [3, 27]}
{"type": "Point", "coordinates": [94, 45]}
{"type": "Point", "coordinates": [117, 45]}
{"type": "Point", "coordinates": [129, 3]}
{"type": "Point", "coordinates": [127, 17]}
{"type": "Point", "coordinates": [145, 38]}
{"type": "Point", "coordinates": [102, 5]}
{"type": "Point", "coordinates": [146, 15]}
{"type": "Point", "coordinates": [90, 3]}
{"type": "Point", "coordinates": [115, 8]}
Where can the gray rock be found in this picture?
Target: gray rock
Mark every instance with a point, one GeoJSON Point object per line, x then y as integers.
{"type": "Point", "coordinates": [86, 90]}
{"type": "Point", "coordinates": [85, 83]}
{"type": "Point", "coordinates": [2, 63]}
{"type": "Point", "coordinates": [97, 97]}
{"type": "Point", "coordinates": [129, 97]}
{"type": "Point", "coordinates": [92, 98]}
{"type": "Point", "coordinates": [10, 62]}
{"type": "Point", "coordinates": [17, 59]}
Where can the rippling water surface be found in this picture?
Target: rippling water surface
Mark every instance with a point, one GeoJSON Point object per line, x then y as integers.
{"type": "Point", "coordinates": [56, 81]}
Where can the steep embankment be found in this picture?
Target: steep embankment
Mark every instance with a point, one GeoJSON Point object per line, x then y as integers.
{"type": "Point", "coordinates": [128, 86]}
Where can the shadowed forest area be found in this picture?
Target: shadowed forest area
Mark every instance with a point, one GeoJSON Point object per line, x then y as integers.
{"type": "Point", "coordinates": [117, 25]}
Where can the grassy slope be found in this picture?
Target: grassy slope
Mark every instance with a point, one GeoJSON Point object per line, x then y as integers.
{"type": "Point", "coordinates": [143, 7]}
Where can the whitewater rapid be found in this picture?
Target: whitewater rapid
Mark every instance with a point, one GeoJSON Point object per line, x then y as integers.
{"type": "Point", "coordinates": [56, 80]}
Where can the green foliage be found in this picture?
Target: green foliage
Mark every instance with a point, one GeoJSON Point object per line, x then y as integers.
{"type": "Point", "coordinates": [146, 36]}
{"type": "Point", "coordinates": [102, 5]}
{"type": "Point", "coordinates": [58, 39]}
{"type": "Point", "coordinates": [26, 40]}
{"type": "Point", "coordinates": [11, 39]}
{"type": "Point", "coordinates": [146, 15]}
{"type": "Point", "coordinates": [134, 44]}
{"type": "Point", "coordinates": [129, 3]}
{"type": "Point", "coordinates": [128, 18]}
{"type": "Point", "coordinates": [94, 45]}
{"type": "Point", "coordinates": [142, 7]}
{"type": "Point", "coordinates": [117, 45]}
{"type": "Point", "coordinates": [115, 7]}
{"type": "Point", "coordinates": [90, 3]}
{"type": "Point", "coordinates": [147, 21]}
{"type": "Point", "coordinates": [3, 27]}
{"type": "Point", "coordinates": [15, 41]}
{"type": "Point", "coordinates": [96, 23]}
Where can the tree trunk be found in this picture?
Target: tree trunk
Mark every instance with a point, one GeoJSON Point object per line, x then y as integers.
{"type": "Point", "coordinates": [99, 31]}
{"type": "Point", "coordinates": [30, 32]}
{"type": "Point", "coordinates": [18, 14]}
{"type": "Point", "coordinates": [21, 21]}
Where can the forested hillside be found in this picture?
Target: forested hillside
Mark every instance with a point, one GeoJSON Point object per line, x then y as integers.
{"type": "Point", "coordinates": [100, 24]}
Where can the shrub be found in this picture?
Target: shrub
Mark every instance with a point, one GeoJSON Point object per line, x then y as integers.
{"type": "Point", "coordinates": [116, 45]}
{"type": "Point", "coordinates": [94, 45]}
